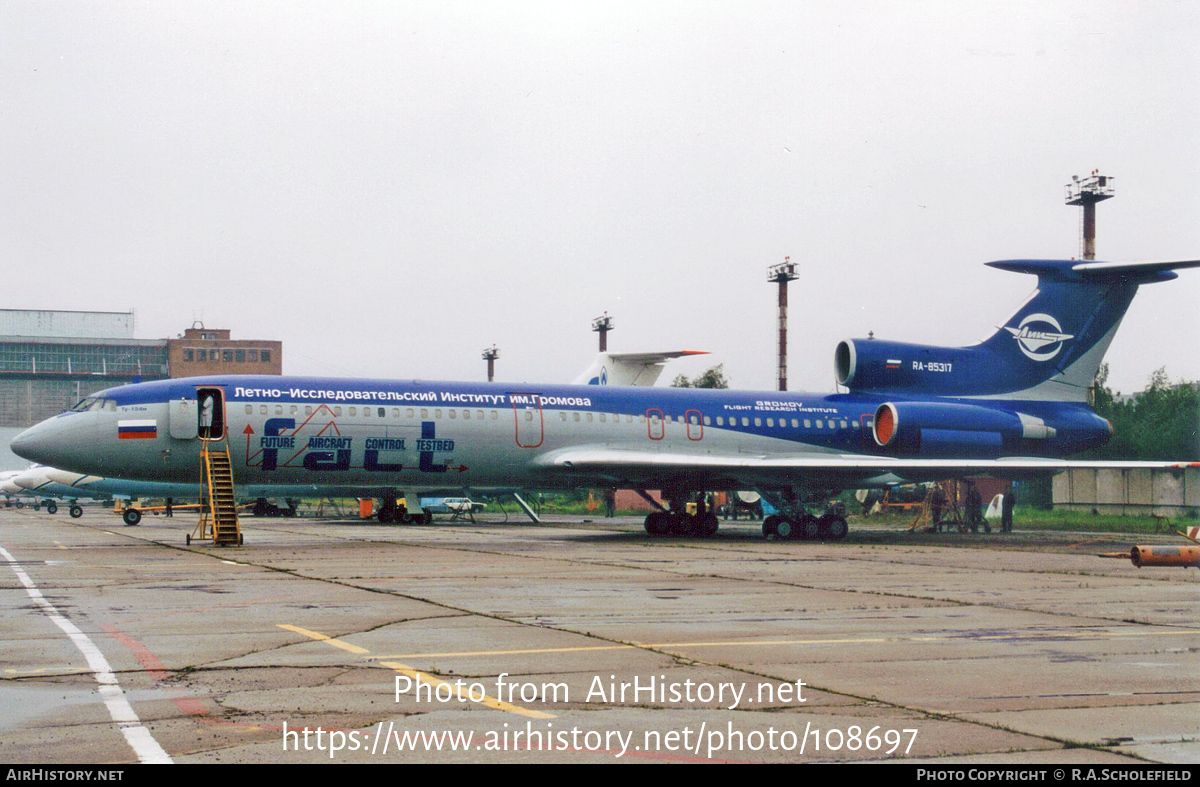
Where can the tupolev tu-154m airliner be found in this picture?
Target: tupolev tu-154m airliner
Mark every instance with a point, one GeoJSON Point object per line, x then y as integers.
{"type": "Point", "coordinates": [1011, 406]}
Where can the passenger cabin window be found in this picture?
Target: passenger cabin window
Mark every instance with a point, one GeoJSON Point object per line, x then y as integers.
{"type": "Point", "coordinates": [278, 409]}
{"type": "Point", "coordinates": [249, 409]}
{"type": "Point", "coordinates": [262, 409]}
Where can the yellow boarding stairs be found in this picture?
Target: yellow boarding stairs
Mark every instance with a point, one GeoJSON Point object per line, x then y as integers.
{"type": "Point", "coordinates": [218, 505]}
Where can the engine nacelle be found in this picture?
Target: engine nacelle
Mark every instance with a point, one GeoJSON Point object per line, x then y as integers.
{"type": "Point", "coordinates": [896, 367]}
{"type": "Point", "coordinates": [954, 430]}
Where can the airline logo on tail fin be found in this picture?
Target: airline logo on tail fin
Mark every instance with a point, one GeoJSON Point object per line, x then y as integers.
{"type": "Point", "coordinates": [1039, 344]}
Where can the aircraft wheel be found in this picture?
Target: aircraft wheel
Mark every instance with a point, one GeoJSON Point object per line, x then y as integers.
{"type": "Point", "coordinates": [51, 507]}
{"type": "Point", "coordinates": [37, 505]}
{"type": "Point", "coordinates": [809, 527]}
{"type": "Point", "coordinates": [187, 539]}
{"type": "Point", "coordinates": [835, 528]}
{"type": "Point", "coordinates": [20, 504]}
{"type": "Point", "coordinates": [76, 512]}
{"type": "Point", "coordinates": [707, 525]}
{"type": "Point", "coordinates": [681, 524]}
{"type": "Point", "coordinates": [404, 518]}
{"type": "Point", "coordinates": [241, 538]}
{"type": "Point", "coordinates": [785, 529]}
{"type": "Point", "coordinates": [131, 516]}
{"type": "Point", "coordinates": [658, 523]}
{"type": "Point", "coordinates": [771, 525]}
{"type": "Point", "coordinates": [426, 517]}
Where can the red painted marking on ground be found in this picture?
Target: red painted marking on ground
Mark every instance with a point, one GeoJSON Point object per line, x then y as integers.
{"type": "Point", "coordinates": [156, 670]}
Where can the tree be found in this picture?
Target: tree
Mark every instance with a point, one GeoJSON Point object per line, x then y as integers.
{"type": "Point", "coordinates": [1161, 422]}
{"type": "Point", "coordinates": [711, 378]}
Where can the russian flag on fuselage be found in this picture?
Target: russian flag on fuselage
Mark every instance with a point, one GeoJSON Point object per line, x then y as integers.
{"type": "Point", "coordinates": [141, 429]}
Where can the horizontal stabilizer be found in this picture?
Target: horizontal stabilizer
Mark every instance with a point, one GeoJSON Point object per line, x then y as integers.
{"type": "Point", "coordinates": [1088, 270]}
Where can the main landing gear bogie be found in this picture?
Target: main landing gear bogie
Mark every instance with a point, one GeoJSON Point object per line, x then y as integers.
{"type": "Point", "coordinates": [671, 523]}
{"type": "Point", "coordinates": [400, 515]}
{"type": "Point", "coordinates": [806, 527]}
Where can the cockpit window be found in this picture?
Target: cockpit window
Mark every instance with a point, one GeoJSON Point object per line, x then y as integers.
{"type": "Point", "coordinates": [92, 404]}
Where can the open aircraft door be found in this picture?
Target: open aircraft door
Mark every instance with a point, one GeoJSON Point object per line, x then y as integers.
{"type": "Point", "coordinates": [185, 423]}
{"type": "Point", "coordinates": [210, 413]}
{"type": "Point", "coordinates": [527, 411]}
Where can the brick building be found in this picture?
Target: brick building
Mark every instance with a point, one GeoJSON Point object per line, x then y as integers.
{"type": "Point", "coordinates": [210, 351]}
{"type": "Point", "coordinates": [49, 360]}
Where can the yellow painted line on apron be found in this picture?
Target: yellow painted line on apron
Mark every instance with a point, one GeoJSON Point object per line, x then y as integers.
{"type": "Point", "coordinates": [776, 643]}
{"type": "Point", "coordinates": [490, 702]}
{"type": "Point", "coordinates": [422, 677]}
{"type": "Point", "coordinates": [12, 673]}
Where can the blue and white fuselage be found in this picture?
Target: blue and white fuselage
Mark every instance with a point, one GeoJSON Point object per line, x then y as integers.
{"type": "Point", "coordinates": [1012, 405]}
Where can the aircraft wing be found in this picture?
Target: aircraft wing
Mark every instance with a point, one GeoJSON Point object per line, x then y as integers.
{"type": "Point", "coordinates": [647, 468]}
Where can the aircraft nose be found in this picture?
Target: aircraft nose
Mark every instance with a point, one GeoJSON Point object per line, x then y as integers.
{"type": "Point", "coordinates": [27, 443]}
{"type": "Point", "coordinates": [41, 443]}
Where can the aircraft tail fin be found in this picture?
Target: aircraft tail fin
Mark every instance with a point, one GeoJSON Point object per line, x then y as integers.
{"type": "Point", "coordinates": [1050, 349]}
{"type": "Point", "coordinates": [629, 368]}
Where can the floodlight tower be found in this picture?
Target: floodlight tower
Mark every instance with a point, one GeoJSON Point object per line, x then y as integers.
{"type": "Point", "coordinates": [603, 325]}
{"type": "Point", "coordinates": [490, 355]}
{"type": "Point", "coordinates": [782, 274]}
{"type": "Point", "coordinates": [1087, 191]}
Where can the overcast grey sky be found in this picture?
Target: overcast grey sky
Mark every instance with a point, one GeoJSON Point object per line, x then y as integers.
{"type": "Point", "coordinates": [390, 187]}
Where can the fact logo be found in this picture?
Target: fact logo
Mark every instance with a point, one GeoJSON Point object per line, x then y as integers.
{"type": "Point", "coordinates": [1035, 340]}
